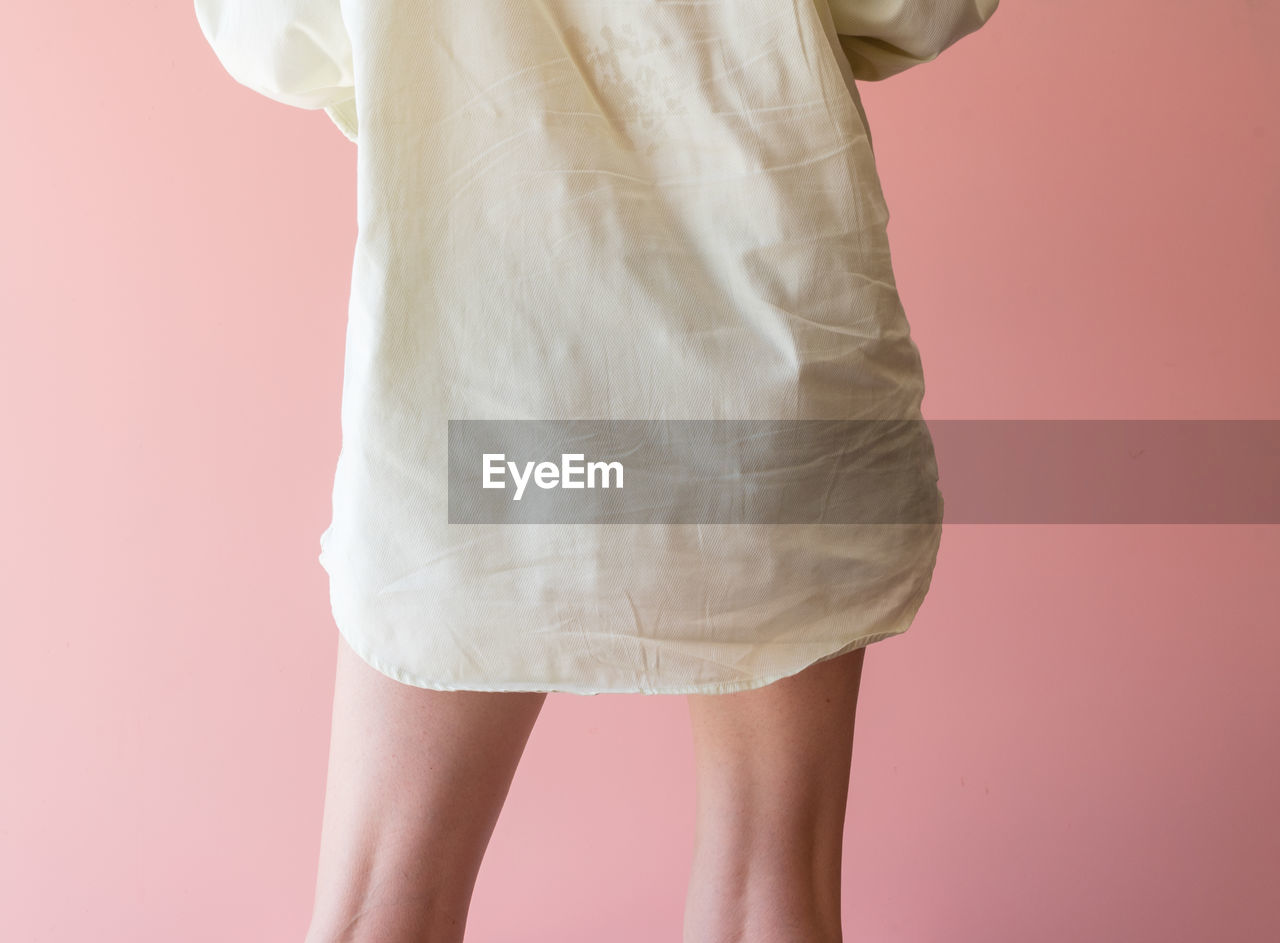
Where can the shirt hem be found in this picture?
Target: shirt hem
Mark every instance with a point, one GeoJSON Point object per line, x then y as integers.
{"type": "Point", "coordinates": [545, 687]}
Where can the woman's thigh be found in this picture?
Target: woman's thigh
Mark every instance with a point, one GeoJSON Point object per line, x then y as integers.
{"type": "Point", "coordinates": [416, 781]}
{"type": "Point", "coordinates": [773, 768]}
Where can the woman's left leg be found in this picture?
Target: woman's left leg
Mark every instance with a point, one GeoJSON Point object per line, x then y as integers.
{"type": "Point", "coordinates": [417, 779]}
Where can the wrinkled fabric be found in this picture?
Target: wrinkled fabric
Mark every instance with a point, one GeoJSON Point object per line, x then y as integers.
{"type": "Point", "coordinates": [605, 209]}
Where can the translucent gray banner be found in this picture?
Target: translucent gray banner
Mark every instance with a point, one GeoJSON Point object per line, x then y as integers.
{"type": "Point", "coordinates": [1109, 471]}
{"type": "Point", "coordinates": [609, 471]}
{"type": "Point", "coordinates": [804, 471]}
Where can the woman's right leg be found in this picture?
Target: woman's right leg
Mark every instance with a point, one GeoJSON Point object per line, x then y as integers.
{"type": "Point", "coordinates": [773, 768]}
{"type": "Point", "coordinates": [416, 781]}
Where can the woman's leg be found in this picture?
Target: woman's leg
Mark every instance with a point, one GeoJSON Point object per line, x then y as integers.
{"type": "Point", "coordinates": [773, 781]}
{"type": "Point", "coordinates": [416, 781]}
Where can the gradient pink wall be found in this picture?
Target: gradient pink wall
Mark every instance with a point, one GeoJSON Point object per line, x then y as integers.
{"type": "Point", "coordinates": [1075, 741]}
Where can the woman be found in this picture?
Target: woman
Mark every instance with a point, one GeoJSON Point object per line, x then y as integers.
{"type": "Point", "coordinates": [650, 233]}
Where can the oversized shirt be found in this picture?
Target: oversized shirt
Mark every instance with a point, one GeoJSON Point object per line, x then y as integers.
{"type": "Point", "coordinates": [651, 215]}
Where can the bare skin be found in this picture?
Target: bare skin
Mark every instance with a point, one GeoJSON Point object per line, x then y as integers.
{"type": "Point", "coordinates": [773, 781]}
{"type": "Point", "coordinates": [417, 777]}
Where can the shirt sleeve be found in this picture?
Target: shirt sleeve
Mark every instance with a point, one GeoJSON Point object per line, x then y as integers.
{"type": "Point", "coordinates": [884, 37]}
{"type": "Point", "coordinates": [297, 52]}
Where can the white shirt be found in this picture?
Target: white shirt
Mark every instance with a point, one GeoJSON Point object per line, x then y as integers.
{"type": "Point", "coordinates": [608, 209]}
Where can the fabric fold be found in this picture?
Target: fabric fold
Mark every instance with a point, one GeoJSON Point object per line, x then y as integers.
{"type": "Point", "coordinates": [296, 52]}
{"type": "Point", "coordinates": [882, 38]}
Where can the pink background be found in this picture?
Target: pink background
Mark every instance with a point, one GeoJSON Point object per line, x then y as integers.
{"type": "Point", "coordinates": [1075, 741]}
